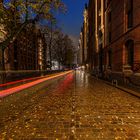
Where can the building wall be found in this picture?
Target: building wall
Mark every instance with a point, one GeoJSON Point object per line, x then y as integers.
{"type": "Point", "coordinates": [41, 51]}
{"type": "Point", "coordinates": [114, 28]}
{"type": "Point", "coordinates": [91, 35]}
{"type": "Point", "coordinates": [2, 33]}
{"type": "Point", "coordinates": [80, 50]}
{"type": "Point", "coordinates": [120, 33]}
{"type": "Point", "coordinates": [99, 36]}
{"type": "Point", "coordinates": [85, 34]}
{"type": "Point", "coordinates": [113, 47]}
{"type": "Point", "coordinates": [26, 53]}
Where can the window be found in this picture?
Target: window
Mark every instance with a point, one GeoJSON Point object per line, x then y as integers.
{"type": "Point", "coordinates": [109, 17]}
{"type": "Point", "coordinates": [110, 58]}
{"type": "Point", "coordinates": [129, 52]}
{"type": "Point", "coordinates": [130, 14]}
{"type": "Point", "coordinates": [108, 2]}
{"type": "Point", "coordinates": [109, 36]}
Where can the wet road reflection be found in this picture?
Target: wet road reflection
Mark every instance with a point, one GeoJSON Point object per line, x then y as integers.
{"type": "Point", "coordinates": [75, 106]}
{"type": "Point", "coordinates": [63, 86]}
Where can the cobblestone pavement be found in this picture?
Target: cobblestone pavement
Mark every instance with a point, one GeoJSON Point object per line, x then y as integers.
{"type": "Point", "coordinates": [73, 107]}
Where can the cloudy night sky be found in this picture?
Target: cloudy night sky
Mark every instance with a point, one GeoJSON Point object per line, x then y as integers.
{"type": "Point", "coordinates": [71, 22]}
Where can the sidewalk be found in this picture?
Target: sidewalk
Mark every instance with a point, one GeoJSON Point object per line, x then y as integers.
{"type": "Point", "coordinates": [129, 90]}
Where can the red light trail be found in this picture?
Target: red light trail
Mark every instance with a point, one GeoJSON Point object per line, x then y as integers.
{"type": "Point", "coordinates": [18, 81]}
{"type": "Point", "coordinates": [62, 86]}
{"type": "Point", "coordinates": [27, 85]}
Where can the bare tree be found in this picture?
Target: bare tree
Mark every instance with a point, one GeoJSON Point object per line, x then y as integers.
{"type": "Point", "coordinates": [63, 50]}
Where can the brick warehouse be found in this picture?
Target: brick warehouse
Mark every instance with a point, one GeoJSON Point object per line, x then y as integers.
{"type": "Point", "coordinates": [113, 46]}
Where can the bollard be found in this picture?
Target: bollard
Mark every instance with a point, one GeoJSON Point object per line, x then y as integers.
{"type": "Point", "coordinates": [115, 82]}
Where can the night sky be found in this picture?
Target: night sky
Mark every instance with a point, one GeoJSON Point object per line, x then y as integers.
{"type": "Point", "coordinates": [71, 22]}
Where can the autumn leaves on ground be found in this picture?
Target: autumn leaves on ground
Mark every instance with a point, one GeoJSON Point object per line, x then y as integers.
{"type": "Point", "coordinates": [74, 106]}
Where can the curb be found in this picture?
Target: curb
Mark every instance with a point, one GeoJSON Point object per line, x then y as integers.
{"type": "Point", "coordinates": [134, 93]}
{"type": "Point", "coordinates": [125, 89]}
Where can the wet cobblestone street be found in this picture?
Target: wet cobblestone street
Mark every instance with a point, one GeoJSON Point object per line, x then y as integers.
{"type": "Point", "coordinates": [73, 107]}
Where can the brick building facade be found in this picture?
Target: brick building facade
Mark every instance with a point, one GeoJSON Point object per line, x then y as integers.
{"type": "Point", "coordinates": [80, 50]}
{"type": "Point", "coordinates": [122, 38]}
{"type": "Point", "coordinates": [91, 36]}
{"type": "Point", "coordinates": [99, 36]}
{"type": "Point", "coordinates": [113, 38]}
{"type": "Point", "coordinates": [83, 41]}
{"type": "Point", "coordinates": [85, 35]}
{"type": "Point", "coordinates": [27, 51]}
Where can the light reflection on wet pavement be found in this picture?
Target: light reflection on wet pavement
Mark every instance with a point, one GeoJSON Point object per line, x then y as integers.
{"type": "Point", "coordinates": [72, 107]}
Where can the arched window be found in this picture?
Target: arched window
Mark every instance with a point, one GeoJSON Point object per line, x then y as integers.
{"type": "Point", "coordinates": [129, 52]}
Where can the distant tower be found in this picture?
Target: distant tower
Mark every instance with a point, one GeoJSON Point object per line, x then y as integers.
{"type": "Point", "coordinates": [85, 34]}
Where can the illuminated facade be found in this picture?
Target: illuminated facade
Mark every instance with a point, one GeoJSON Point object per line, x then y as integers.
{"type": "Point", "coordinates": [113, 38]}
{"type": "Point", "coordinates": [80, 49]}
{"type": "Point", "coordinates": [26, 53]}
{"type": "Point", "coordinates": [2, 37]}
{"type": "Point", "coordinates": [122, 39]}
{"type": "Point", "coordinates": [2, 33]}
{"type": "Point", "coordinates": [85, 35]}
{"type": "Point", "coordinates": [83, 41]}
{"type": "Point", "coordinates": [41, 51]}
{"type": "Point", "coordinates": [91, 35]}
{"type": "Point", "coordinates": [96, 36]}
